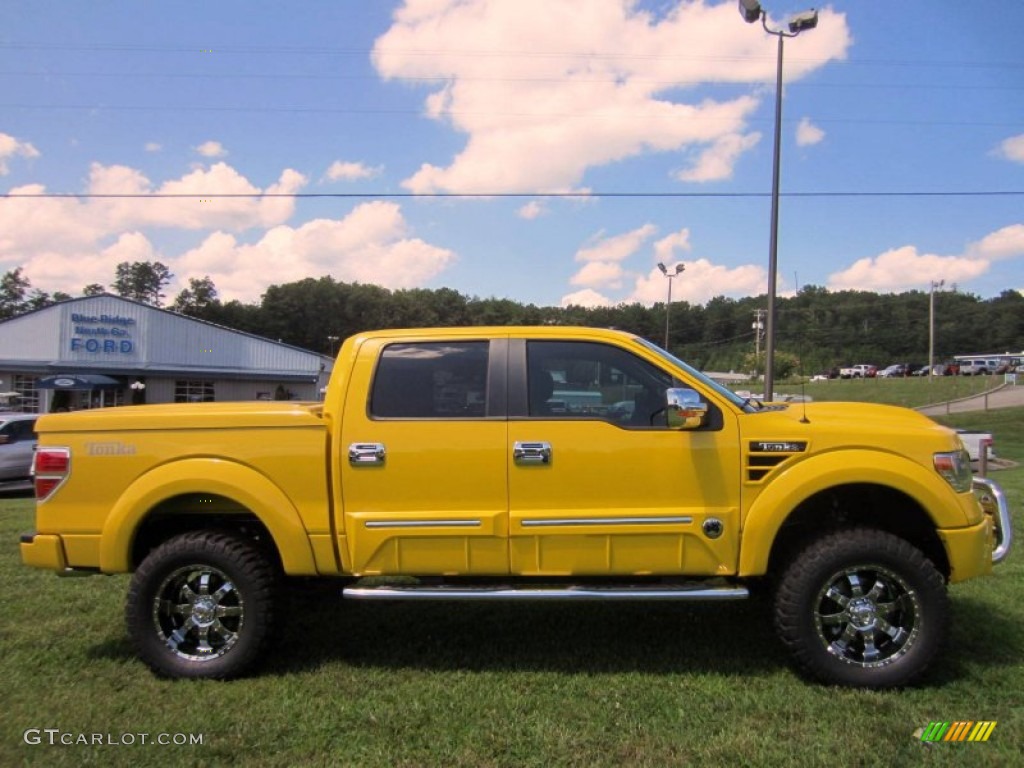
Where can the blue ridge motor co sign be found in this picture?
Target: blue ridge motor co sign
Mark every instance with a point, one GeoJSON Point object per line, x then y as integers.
{"type": "Point", "coordinates": [102, 334]}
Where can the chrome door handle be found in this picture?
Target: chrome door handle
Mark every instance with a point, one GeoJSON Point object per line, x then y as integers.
{"type": "Point", "coordinates": [360, 454]}
{"type": "Point", "coordinates": [531, 453]}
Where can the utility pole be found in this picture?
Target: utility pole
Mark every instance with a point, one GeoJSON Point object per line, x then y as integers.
{"type": "Point", "coordinates": [931, 327]}
{"type": "Point", "coordinates": [758, 326]}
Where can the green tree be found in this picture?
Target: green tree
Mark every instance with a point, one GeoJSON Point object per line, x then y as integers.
{"type": "Point", "coordinates": [198, 299]}
{"type": "Point", "coordinates": [13, 291]}
{"type": "Point", "coordinates": [142, 281]}
{"type": "Point", "coordinates": [94, 289]}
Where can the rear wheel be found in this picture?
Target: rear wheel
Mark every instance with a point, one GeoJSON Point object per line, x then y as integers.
{"type": "Point", "coordinates": [201, 605]}
{"type": "Point", "coordinates": [862, 608]}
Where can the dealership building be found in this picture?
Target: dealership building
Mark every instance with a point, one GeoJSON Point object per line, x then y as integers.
{"type": "Point", "coordinates": [104, 350]}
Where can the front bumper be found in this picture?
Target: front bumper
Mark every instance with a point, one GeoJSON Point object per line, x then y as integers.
{"type": "Point", "coordinates": [993, 501]}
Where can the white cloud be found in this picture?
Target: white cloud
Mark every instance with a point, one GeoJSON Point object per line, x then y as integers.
{"type": "Point", "coordinates": [1012, 148]}
{"type": "Point", "coordinates": [700, 282]}
{"type": "Point", "coordinates": [717, 161]}
{"type": "Point", "coordinates": [905, 268]}
{"type": "Point", "coordinates": [1006, 243]}
{"type": "Point", "coordinates": [531, 210]}
{"type": "Point", "coordinates": [346, 171]}
{"type": "Point", "coordinates": [12, 147]}
{"type": "Point", "coordinates": [66, 243]}
{"type": "Point", "coordinates": [194, 204]}
{"type": "Point", "coordinates": [371, 245]}
{"type": "Point", "coordinates": [544, 90]}
{"type": "Point", "coordinates": [808, 134]}
{"type": "Point", "coordinates": [616, 248]}
{"type": "Point", "coordinates": [665, 249]}
{"type": "Point", "coordinates": [599, 273]}
{"type": "Point", "coordinates": [586, 298]}
{"type": "Point", "coordinates": [212, 149]}
{"type": "Point", "coordinates": [153, 146]}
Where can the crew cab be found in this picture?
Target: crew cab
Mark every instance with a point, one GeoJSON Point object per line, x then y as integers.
{"type": "Point", "coordinates": [521, 463]}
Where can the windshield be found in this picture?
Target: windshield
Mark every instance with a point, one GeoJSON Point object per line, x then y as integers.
{"type": "Point", "coordinates": [728, 394]}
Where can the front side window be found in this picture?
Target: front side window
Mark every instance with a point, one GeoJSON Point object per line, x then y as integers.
{"type": "Point", "coordinates": [431, 380]}
{"type": "Point", "coordinates": [567, 379]}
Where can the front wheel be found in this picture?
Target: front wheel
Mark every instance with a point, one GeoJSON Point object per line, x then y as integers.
{"type": "Point", "coordinates": [201, 605]}
{"type": "Point", "coordinates": [862, 608]}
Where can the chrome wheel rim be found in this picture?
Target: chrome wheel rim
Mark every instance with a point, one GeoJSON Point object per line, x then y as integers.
{"type": "Point", "coordinates": [867, 616]}
{"type": "Point", "coordinates": [198, 613]}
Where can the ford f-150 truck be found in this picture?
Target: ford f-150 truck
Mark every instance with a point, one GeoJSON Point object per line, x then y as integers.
{"type": "Point", "coordinates": [520, 464]}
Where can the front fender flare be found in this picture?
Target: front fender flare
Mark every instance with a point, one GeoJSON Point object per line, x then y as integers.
{"type": "Point", "coordinates": [221, 477]}
{"type": "Point", "coordinates": [835, 468]}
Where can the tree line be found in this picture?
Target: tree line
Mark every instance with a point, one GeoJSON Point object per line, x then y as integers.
{"type": "Point", "coordinates": [816, 329]}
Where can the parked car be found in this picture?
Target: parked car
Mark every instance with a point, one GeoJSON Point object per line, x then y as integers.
{"type": "Point", "coordinates": [17, 446]}
{"type": "Point", "coordinates": [859, 371]}
{"type": "Point", "coordinates": [978, 366]}
{"type": "Point", "coordinates": [895, 371]}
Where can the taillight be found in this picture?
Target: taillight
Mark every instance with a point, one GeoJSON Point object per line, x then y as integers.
{"type": "Point", "coordinates": [51, 468]}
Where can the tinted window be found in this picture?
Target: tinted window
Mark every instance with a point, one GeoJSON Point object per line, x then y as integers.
{"type": "Point", "coordinates": [431, 380]}
{"type": "Point", "coordinates": [590, 380]}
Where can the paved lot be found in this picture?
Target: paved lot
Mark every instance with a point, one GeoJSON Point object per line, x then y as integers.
{"type": "Point", "coordinates": [1008, 396]}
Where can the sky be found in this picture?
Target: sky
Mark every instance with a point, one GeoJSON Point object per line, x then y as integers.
{"type": "Point", "coordinates": [551, 152]}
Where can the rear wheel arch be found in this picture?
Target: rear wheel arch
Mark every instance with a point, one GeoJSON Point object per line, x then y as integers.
{"type": "Point", "coordinates": [171, 498]}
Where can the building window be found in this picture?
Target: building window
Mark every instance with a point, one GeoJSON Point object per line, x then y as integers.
{"type": "Point", "coordinates": [28, 400]}
{"type": "Point", "coordinates": [193, 391]}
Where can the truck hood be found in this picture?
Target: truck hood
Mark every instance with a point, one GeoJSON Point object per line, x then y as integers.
{"type": "Point", "coordinates": [851, 424]}
{"type": "Point", "coordinates": [222, 415]}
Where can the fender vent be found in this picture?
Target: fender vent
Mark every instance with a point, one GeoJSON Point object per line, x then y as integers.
{"type": "Point", "coordinates": [765, 455]}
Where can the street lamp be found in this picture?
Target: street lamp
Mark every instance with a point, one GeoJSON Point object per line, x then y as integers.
{"type": "Point", "coordinates": [668, 305]}
{"type": "Point", "coordinates": [751, 11]}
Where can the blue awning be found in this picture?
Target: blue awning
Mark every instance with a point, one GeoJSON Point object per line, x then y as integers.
{"type": "Point", "coordinates": [78, 381]}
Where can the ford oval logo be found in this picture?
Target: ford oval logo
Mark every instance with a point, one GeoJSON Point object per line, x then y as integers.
{"type": "Point", "coordinates": [64, 382]}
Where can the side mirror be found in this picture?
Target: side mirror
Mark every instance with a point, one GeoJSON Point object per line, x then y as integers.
{"type": "Point", "coordinates": [685, 409]}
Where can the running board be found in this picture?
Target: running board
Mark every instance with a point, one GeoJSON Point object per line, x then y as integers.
{"type": "Point", "coordinates": [573, 592]}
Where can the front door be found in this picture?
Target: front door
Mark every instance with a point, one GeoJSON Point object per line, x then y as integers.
{"type": "Point", "coordinates": [598, 484]}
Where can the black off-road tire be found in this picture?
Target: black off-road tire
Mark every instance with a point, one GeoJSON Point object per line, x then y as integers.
{"type": "Point", "coordinates": [862, 608]}
{"type": "Point", "coordinates": [201, 605]}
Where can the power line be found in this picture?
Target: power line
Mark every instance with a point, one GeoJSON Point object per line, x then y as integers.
{"type": "Point", "coordinates": [515, 195]}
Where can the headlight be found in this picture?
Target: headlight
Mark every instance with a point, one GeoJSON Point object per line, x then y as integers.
{"type": "Point", "coordinates": [955, 467]}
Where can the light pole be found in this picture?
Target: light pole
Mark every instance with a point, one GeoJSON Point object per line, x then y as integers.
{"type": "Point", "coordinates": [668, 304]}
{"type": "Point", "coordinates": [931, 327]}
{"type": "Point", "coordinates": [751, 11]}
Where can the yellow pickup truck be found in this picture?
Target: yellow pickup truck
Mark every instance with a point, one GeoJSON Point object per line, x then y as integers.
{"type": "Point", "coordinates": [520, 464]}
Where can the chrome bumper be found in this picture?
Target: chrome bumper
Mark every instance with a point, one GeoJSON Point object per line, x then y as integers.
{"type": "Point", "coordinates": [993, 501]}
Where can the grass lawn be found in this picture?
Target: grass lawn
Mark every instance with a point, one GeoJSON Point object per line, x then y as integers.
{"type": "Point", "coordinates": [491, 685]}
{"type": "Point", "coordinates": [910, 392]}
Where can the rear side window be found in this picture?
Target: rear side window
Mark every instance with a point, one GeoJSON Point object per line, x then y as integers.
{"type": "Point", "coordinates": [431, 380]}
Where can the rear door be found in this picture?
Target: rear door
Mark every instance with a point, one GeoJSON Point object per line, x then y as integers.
{"type": "Point", "coordinates": [422, 461]}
